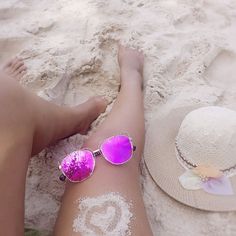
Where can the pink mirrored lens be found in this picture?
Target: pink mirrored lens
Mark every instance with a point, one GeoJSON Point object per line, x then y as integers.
{"type": "Point", "coordinates": [78, 165]}
{"type": "Point", "coordinates": [118, 149]}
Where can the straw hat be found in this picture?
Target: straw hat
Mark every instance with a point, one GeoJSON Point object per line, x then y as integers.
{"type": "Point", "coordinates": [191, 155]}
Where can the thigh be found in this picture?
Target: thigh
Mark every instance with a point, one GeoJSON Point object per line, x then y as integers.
{"type": "Point", "coordinates": [108, 203]}
{"type": "Point", "coordinates": [14, 158]}
{"type": "Point", "coordinates": [15, 149]}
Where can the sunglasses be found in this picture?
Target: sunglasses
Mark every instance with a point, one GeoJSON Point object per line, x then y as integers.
{"type": "Point", "coordinates": [79, 165]}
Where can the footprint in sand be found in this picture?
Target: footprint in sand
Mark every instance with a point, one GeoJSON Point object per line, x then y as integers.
{"type": "Point", "coordinates": [9, 47]}
{"type": "Point", "coordinates": [40, 27]}
{"type": "Point", "coordinates": [222, 71]}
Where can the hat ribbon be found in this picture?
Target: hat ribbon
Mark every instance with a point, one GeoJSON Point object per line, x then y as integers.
{"type": "Point", "coordinates": [207, 178]}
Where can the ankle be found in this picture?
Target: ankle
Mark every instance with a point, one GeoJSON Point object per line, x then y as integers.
{"type": "Point", "coordinates": [128, 71]}
{"type": "Point", "coordinates": [131, 79]}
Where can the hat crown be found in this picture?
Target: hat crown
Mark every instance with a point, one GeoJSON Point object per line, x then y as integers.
{"type": "Point", "coordinates": [208, 136]}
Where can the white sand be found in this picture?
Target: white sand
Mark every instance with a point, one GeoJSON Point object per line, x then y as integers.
{"type": "Point", "coordinates": [191, 58]}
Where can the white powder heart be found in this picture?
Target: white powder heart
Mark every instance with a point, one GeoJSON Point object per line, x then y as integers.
{"type": "Point", "coordinates": [104, 215]}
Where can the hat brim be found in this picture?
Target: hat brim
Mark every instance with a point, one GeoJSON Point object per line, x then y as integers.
{"type": "Point", "coordinates": [163, 166]}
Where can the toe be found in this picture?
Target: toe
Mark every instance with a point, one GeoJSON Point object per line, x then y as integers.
{"type": "Point", "coordinates": [15, 68]}
{"type": "Point", "coordinates": [8, 63]}
{"type": "Point", "coordinates": [18, 63]}
{"type": "Point", "coordinates": [20, 75]}
{"type": "Point", "coordinates": [11, 65]}
{"type": "Point", "coordinates": [22, 68]}
{"type": "Point", "coordinates": [19, 70]}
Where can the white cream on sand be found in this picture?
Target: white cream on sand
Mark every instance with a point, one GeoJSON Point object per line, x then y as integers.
{"type": "Point", "coordinates": [107, 215]}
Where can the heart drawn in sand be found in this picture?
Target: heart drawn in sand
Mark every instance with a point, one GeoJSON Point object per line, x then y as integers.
{"type": "Point", "coordinates": [104, 218]}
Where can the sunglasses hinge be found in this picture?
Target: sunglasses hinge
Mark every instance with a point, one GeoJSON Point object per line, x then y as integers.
{"type": "Point", "coordinates": [97, 153]}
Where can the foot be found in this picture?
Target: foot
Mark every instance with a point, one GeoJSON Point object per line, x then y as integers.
{"type": "Point", "coordinates": [130, 59]}
{"type": "Point", "coordinates": [89, 111]}
{"type": "Point", "coordinates": [15, 68]}
{"type": "Point", "coordinates": [131, 66]}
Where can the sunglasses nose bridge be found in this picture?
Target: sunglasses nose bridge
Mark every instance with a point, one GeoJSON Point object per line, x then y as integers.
{"type": "Point", "coordinates": [97, 152]}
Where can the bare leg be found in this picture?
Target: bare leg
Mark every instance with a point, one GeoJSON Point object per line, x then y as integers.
{"type": "Point", "coordinates": [127, 115]}
{"type": "Point", "coordinates": [28, 124]}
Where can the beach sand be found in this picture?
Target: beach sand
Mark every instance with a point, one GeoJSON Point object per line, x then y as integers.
{"type": "Point", "coordinates": [70, 49]}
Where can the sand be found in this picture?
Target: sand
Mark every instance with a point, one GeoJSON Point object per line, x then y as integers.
{"type": "Point", "coordinates": [190, 58]}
